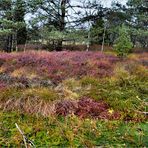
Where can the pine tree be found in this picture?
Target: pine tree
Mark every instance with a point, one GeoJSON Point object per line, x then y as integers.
{"type": "Point", "coordinates": [123, 43]}
{"type": "Point", "coordinates": [6, 24]}
{"type": "Point", "coordinates": [53, 12]}
{"type": "Point", "coordinates": [139, 21]}
{"type": "Point", "coordinates": [10, 24]}
{"type": "Point", "coordinates": [19, 14]}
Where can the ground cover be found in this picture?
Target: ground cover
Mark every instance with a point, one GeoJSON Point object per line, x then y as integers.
{"type": "Point", "coordinates": [74, 99]}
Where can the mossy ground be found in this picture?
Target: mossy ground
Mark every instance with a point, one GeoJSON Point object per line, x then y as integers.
{"type": "Point", "coordinates": [71, 131]}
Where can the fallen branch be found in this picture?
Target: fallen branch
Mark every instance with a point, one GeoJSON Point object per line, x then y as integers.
{"type": "Point", "coordinates": [145, 113]}
{"type": "Point", "coordinates": [26, 140]}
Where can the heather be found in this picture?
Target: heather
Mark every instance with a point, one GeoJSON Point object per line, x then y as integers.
{"type": "Point", "coordinates": [73, 99]}
{"type": "Point", "coordinates": [57, 66]}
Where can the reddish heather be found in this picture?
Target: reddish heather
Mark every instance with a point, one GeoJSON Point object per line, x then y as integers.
{"type": "Point", "coordinates": [143, 59]}
{"type": "Point", "coordinates": [86, 108]}
{"type": "Point", "coordinates": [2, 86]}
{"type": "Point", "coordinates": [58, 66]}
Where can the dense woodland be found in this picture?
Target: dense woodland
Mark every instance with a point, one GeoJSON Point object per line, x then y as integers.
{"type": "Point", "coordinates": [54, 24]}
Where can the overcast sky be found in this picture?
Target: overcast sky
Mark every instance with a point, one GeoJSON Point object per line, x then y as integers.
{"type": "Point", "coordinates": [106, 3]}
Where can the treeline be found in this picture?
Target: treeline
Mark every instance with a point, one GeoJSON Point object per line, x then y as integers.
{"type": "Point", "coordinates": [56, 22]}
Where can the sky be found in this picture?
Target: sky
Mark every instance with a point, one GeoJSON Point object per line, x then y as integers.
{"type": "Point", "coordinates": [106, 3]}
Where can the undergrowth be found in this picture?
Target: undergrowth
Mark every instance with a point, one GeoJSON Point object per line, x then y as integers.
{"type": "Point", "coordinates": [69, 99]}
{"type": "Point", "coordinates": [70, 131]}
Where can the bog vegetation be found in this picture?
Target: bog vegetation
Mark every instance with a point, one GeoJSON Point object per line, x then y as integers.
{"type": "Point", "coordinates": [72, 99]}
{"type": "Point", "coordinates": [90, 91]}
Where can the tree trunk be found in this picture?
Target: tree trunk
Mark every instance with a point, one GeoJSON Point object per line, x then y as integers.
{"type": "Point", "coordinates": [8, 44]}
{"type": "Point", "coordinates": [88, 42]}
{"type": "Point", "coordinates": [102, 48]}
{"type": "Point", "coordinates": [62, 24]}
{"type": "Point", "coordinates": [63, 14]}
{"type": "Point", "coordinates": [59, 45]}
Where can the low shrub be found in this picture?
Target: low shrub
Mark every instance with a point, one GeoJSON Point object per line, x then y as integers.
{"type": "Point", "coordinates": [59, 66]}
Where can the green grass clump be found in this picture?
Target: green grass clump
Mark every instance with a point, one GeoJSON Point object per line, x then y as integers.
{"type": "Point", "coordinates": [70, 131]}
{"type": "Point", "coordinates": [37, 101]}
{"type": "Point", "coordinates": [42, 93]}
{"type": "Point", "coordinates": [89, 81]}
{"type": "Point", "coordinates": [10, 93]}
